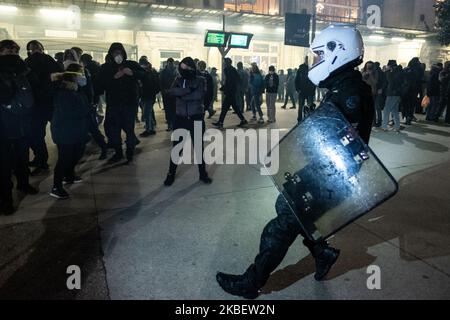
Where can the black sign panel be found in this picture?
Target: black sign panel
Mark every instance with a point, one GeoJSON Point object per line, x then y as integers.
{"type": "Point", "coordinates": [297, 30]}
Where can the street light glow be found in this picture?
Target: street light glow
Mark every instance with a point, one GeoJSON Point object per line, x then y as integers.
{"type": "Point", "coordinates": [252, 28]}
{"type": "Point", "coordinates": [376, 37]}
{"type": "Point", "coordinates": [109, 17]}
{"type": "Point", "coordinates": [165, 21]}
{"type": "Point", "coordinates": [209, 25]}
{"type": "Point", "coordinates": [8, 9]}
{"type": "Point", "coordinates": [56, 13]}
{"type": "Point", "coordinates": [398, 39]}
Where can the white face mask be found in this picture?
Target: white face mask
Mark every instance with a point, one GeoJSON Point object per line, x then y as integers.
{"type": "Point", "coordinates": [118, 59]}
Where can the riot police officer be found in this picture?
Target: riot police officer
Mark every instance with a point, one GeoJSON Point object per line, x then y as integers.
{"type": "Point", "coordinates": [337, 51]}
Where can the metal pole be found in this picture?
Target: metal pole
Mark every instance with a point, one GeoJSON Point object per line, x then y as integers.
{"type": "Point", "coordinates": [314, 19]}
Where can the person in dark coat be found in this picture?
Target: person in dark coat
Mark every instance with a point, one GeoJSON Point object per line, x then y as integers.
{"type": "Point", "coordinates": [414, 74]}
{"type": "Point", "coordinates": [395, 81]}
{"type": "Point", "coordinates": [43, 66]}
{"type": "Point", "coordinates": [231, 81]}
{"type": "Point", "coordinates": [306, 90]}
{"type": "Point", "coordinates": [444, 103]}
{"type": "Point", "coordinates": [71, 57]}
{"type": "Point", "coordinates": [272, 82]}
{"type": "Point", "coordinates": [434, 93]}
{"type": "Point", "coordinates": [209, 95]}
{"type": "Point", "coordinates": [244, 87]}
{"type": "Point", "coordinates": [167, 77]}
{"type": "Point", "coordinates": [290, 89]}
{"type": "Point", "coordinates": [150, 88]}
{"type": "Point", "coordinates": [16, 107]}
{"type": "Point", "coordinates": [69, 128]}
{"type": "Point", "coordinates": [189, 90]}
{"type": "Point", "coordinates": [118, 78]}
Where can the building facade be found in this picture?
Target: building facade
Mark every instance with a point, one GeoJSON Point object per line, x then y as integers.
{"type": "Point", "coordinates": [176, 28]}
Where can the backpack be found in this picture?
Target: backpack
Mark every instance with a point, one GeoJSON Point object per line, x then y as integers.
{"type": "Point", "coordinates": [23, 99]}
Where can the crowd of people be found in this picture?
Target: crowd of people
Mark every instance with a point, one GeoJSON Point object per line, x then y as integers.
{"type": "Point", "coordinates": [70, 90]}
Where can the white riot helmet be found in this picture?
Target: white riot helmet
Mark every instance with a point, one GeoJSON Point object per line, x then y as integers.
{"type": "Point", "coordinates": [337, 46]}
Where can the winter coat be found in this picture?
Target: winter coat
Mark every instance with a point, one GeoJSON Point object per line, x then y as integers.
{"type": "Point", "coordinates": [232, 81]}
{"type": "Point", "coordinates": [303, 84]}
{"type": "Point", "coordinates": [71, 115]}
{"type": "Point", "coordinates": [150, 85]}
{"type": "Point", "coordinates": [43, 66]}
{"type": "Point", "coordinates": [167, 77]}
{"type": "Point", "coordinates": [257, 84]}
{"type": "Point", "coordinates": [272, 82]}
{"type": "Point", "coordinates": [395, 82]}
{"type": "Point", "coordinates": [434, 86]}
{"type": "Point", "coordinates": [209, 94]}
{"type": "Point", "coordinates": [354, 99]}
{"type": "Point", "coordinates": [190, 94]}
{"type": "Point", "coordinates": [16, 97]}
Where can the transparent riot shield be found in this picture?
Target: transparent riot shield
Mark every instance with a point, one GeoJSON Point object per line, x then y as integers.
{"type": "Point", "coordinates": [328, 175]}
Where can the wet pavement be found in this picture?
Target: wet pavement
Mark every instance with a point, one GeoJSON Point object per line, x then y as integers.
{"type": "Point", "coordinates": [133, 238]}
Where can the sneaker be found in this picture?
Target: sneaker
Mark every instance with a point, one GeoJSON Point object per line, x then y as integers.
{"type": "Point", "coordinates": [243, 123]}
{"type": "Point", "coordinates": [205, 179]}
{"type": "Point", "coordinates": [75, 180]}
{"type": "Point", "coordinates": [116, 158]}
{"type": "Point", "coordinates": [283, 107]}
{"type": "Point", "coordinates": [59, 193]}
{"type": "Point", "coordinates": [219, 125]}
{"type": "Point", "coordinates": [261, 121]}
{"type": "Point", "coordinates": [28, 189]}
{"type": "Point", "coordinates": [253, 118]}
{"type": "Point", "coordinates": [169, 180]}
{"type": "Point", "coordinates": [293, 107]}
{"type": "Point", "coordinates": [144, 134]}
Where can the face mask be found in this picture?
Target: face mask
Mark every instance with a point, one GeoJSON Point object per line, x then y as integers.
{"type": "Point", "coordinates": [82, 81]}
{"type": "Point", "coordinates": [118, 59]}
{"type": "Point", "coordinates": [187, 74]}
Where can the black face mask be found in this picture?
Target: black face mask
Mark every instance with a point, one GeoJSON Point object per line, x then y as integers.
{"type": "Point", "coordinates": [187, 74]}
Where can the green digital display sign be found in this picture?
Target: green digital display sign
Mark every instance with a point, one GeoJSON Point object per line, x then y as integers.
{"type": "Point", "coordinates": [216, 39]}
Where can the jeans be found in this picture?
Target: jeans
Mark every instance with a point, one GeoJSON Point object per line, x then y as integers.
{"type": "Point", "coordinates": [256, 105]}
{"type": "Point", "coordinates": [392, 106]}
{"type": "Point", "coordinates": [149, 115]}
{"type": "Point", "coordinates": [271, 106]}
{"type": "Point", "coordinates": [68, 157]}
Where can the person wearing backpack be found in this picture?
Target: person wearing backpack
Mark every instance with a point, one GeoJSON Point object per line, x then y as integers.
{"type": "Point", "coordinates": [16, 107]}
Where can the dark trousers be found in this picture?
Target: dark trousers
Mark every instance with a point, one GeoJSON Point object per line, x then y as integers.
{"type": "Point", "coordinates": [188, 124]}
{"type": "Point", "coordinates": [95, 133]}
{"type": "Point", "coordinates": [13, 158]}
{"type": "Point", "coordinates": [379, 105]}
{"type": "Point", "coordinates": [37, 137]}
{"type": "Point", "coordinates": [116, 120]}
{"type": "Point", "coordinates": [289, 95]}
{"type": "Point", "coordinates": [303, 101]}
{"type": "Point", "coordinates": [68, 157]}
{"type": "Point", "coordinates": [230, 101]}
{"type": "Point", "coordinates": [409, 105]}
{"type": "Point", "coordinates": [278, 235]}
{"type": "Point", "coordinates": [169, 109]}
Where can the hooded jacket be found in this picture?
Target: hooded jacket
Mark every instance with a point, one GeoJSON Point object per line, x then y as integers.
{"type": "Point", "coordinates": [189, 93]}
{"type": "Point", "coordinates": [302, 82]}
{"type": "Point", "coordinates": [43, 66]}
{"type": "Point", "coordinates": [122, 92]}
{"type": "Point", "coordinates": [71, 115]}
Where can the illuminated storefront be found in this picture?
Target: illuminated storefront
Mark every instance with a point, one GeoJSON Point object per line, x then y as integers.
{"type": "Point", "coordinates": [176, 28]}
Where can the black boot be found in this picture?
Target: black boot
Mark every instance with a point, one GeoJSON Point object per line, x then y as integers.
{"type": "Point", "coordinates": [325, 257]}
{"type": "Point", "coordinates": [169, 180]}
{"type": "Point", "coordinates": [237, 285]}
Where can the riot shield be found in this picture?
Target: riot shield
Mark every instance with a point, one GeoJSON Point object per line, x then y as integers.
{"type": "Point", "coordinates": [328, 175]}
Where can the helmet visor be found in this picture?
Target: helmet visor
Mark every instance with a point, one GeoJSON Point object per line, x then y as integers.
{"type": "Point", "coordinates": [315, 58]}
